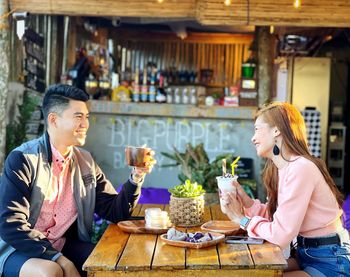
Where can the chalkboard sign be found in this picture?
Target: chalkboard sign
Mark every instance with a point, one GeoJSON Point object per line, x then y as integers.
{"type": "Point", "coordinates": [34, 51]}
{"type": "Point", "coordinates": [34, 63]}
{"type": "Point", "coordinates": [34, 37]}
{"type": "Point", "coordinates": [245, 168]}
{"type": "Point", "coordinates": [34, 68]}
{"type": "Point", "coordinates": [34, 79]}
{"type": "Point", "coordinates": [34, 83]}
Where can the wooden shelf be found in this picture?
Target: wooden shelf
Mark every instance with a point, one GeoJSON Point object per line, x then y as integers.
{"type": "Point", "coordinates": [171, 110]}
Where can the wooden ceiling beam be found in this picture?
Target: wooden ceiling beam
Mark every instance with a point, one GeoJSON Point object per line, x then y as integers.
{"type": "Point", "coordinates": [132, 8]}
{"type": "Point", "coordinates": [320, 13]}
{"type": "Point", "coordinates": [312, 13]}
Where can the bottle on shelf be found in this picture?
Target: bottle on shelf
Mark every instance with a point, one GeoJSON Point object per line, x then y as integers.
{"type": "Point", "coordinates": [161, 94]}
{"type": "Point", "coordinates": [169, 95]}
{"type": "Point", "coordinates": [193, 96]}
{"type": "Point", "coordinates": [144, 87]}
{"type": "Point", "coordinates": [136, 87]}
{"type": "Point", "coordinates": [152, 86]}
{"type": "Point", "coordinates": [177, 96]}
{"type": "Point", "coordinates": [104, 87]}
{"type": "Point", "coordinates": [91, 84]}
{"type": "Point", "coordinates": [185, 96]}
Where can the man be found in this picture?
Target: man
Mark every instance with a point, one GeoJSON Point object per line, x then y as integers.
{"type": "Point", "coordinates": [50, 189]}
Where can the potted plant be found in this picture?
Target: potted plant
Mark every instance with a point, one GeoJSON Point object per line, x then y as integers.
{"type": "Point", "coordinates": [248, 67]}
{"type": "Point", "coordinates": [187, 204]}
{"type": "Point", "coordinates": [16, 130]}
{"type": "Point", "coordinates": [195, 166]}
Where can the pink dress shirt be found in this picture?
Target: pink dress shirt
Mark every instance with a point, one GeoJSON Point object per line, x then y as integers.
{"type": "Point", "coordinates": [58, 211]}
{"type": "Point", "coordinates": [306, 206]}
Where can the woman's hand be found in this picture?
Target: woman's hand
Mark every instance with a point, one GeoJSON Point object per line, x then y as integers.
{"type": "Point", "coordinates": [233, 206]}
{"type": "Point", "coordinates": [247, 202]}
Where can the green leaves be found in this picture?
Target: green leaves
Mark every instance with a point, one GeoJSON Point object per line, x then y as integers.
{"type": "Point", "coordinates": [16, 129]}
{"type": "Point", "coordinates": [195, 166]}
{"type": "Point", "coordinates": [187, 190]}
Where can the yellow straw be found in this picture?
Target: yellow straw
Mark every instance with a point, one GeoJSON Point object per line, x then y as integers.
{"type": "Point", "coordinates": [234, 165]}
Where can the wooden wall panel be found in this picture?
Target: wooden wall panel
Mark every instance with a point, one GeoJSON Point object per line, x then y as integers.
{"type": "Point", "coordinates": [321, 13]}
{"type": "Point", "coordinates": [212, 38]}
{"type": "Point", "coordinates": [225, 58]}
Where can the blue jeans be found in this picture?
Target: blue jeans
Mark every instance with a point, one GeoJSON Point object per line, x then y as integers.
{"type": "Point", "coordinates": [331, 260]}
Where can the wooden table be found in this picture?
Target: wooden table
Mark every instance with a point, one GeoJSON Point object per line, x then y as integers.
{"type": "Point", "coordinates": [119, 254]}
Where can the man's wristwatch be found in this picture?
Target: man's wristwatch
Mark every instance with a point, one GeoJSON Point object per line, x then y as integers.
{"type": "Point", "coordinates": [136, 177]}
{"type": "Point", "coordinates": [244, 222]}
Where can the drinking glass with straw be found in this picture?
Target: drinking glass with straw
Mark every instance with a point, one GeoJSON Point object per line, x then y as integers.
{"type": "Point", "coordinates": [233, 166]}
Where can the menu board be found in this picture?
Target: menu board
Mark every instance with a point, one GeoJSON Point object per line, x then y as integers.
{"type": "Point", "coordinates": [34, 63]}
{"type": "Point", "coordinates": [34, 81]}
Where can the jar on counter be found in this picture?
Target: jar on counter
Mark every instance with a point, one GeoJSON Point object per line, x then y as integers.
{"type": "Point", "coordinates": [193, 96]}
{"type": "Point", "coordinates": [209, 100]}
{"type": "Point", "coordinates": [185, 96]}
{"type": "Point", "coordinates": [169, 96]}
{"type": "Point", "coordinates": [177, 96]}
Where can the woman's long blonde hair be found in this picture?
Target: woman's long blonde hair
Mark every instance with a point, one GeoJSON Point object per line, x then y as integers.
{"type": "Point", "coordinates": [291, 124]}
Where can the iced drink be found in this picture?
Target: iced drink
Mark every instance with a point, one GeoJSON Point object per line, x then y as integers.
{"type": "Point", "coordinates": [156, 218]}
{"type": "Point", "coordinates": [225, 185]}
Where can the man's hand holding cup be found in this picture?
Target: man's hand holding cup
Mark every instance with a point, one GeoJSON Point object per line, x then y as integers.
{"type": "Point", "coordinates": [141, 159]}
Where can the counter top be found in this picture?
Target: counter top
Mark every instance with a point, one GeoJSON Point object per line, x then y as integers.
{"type": "Point", "coordinates": [171, 110]}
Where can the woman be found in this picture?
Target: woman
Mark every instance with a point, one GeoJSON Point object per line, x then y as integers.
{"type": "Point", "coordinates": [303, 200]}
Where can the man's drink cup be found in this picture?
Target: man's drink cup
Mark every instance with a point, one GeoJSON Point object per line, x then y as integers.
{"type": "Point", "coordinates": [137, 156]}
{"type": "Point", "coordinates": [225, 185]}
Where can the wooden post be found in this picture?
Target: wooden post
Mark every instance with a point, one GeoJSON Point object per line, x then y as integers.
{"type": "Point", "coordinates": [265, 59]}
{"type": "Point", "coordinates": [56, 53]}
{"type": "Point", "coordinates": [4, 75]}
{"type": "Point", "coordinates": [264, 64]}
{"type": "Point", "coordinates": [66, 24]}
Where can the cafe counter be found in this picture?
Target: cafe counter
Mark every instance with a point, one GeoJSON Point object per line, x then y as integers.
{"type": "Point", "coordinates": [172, 110]}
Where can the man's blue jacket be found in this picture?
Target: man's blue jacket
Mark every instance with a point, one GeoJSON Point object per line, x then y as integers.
{"type": "Point", "coordinates": [24, 182]}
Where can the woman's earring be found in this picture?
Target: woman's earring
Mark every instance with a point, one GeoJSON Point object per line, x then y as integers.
{"type": "Point", "coordinates": [276, 150]}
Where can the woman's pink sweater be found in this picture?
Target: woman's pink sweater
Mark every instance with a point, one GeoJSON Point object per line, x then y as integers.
{"type": "Point", "coordinates": [306, 206]}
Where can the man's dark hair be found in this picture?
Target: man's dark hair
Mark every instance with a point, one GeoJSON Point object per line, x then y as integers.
{"type": "Point", "coordinates": [57, 98]}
